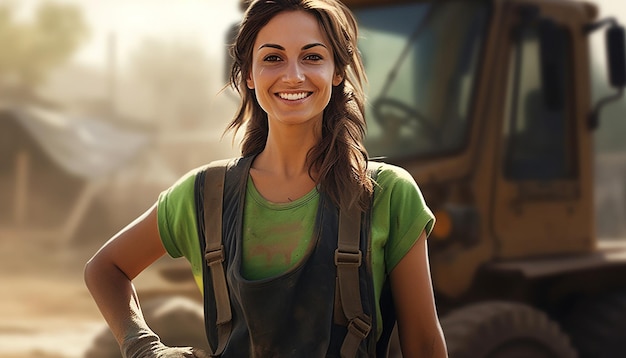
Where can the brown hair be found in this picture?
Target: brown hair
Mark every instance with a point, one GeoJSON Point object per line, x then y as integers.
{"type": "Point", "coordinates": [339, 158]}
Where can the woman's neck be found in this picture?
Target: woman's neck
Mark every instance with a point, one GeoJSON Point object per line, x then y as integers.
{"type": "Point", "coordinates": [281, 172]}
{"type": "Point", "coordinates": [286, 150]}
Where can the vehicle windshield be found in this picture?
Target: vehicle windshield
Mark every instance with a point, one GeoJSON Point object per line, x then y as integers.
{"type": "Point", "coordinates": [421, 61]}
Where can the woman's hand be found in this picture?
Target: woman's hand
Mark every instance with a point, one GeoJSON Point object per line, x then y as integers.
{"type": "Point", "coordinates": [146, 344]}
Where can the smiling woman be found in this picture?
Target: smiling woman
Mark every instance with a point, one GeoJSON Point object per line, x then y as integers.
{"type": "Point", "coordinates": [293, 77]}
{"type": "Point", "coordinates": [312, 240]}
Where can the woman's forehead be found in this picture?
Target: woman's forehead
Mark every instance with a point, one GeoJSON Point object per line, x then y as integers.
{"type": "Point", "coordinates": [291, 28]}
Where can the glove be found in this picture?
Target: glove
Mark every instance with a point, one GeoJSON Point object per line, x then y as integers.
{"type": "Point", "coordinates": [146, 344]}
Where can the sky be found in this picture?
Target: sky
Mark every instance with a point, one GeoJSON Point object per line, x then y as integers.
{"type": "Point", "coordinates": [201, 21]}
{"type": "Point", "coordinates": [129, 21]}
{"type": "Point", "coordinates": [609, 7]}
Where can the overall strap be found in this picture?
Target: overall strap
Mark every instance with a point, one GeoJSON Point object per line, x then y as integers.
{"type": "Point", "coordinates": [348, 259]}
{"type": "Point", "coordinates": [214, 250]}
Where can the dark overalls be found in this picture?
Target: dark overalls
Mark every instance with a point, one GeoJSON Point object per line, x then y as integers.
{"type": "Point", "coordinates": [293, 314]}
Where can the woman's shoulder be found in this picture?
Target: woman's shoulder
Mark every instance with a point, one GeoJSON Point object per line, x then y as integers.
{"type": "Point", "coordinates": [188, 179]}
{"type": "Point", "coordinates": [391, 175]}
{"type": "Point", "coordinates": [395, 184]}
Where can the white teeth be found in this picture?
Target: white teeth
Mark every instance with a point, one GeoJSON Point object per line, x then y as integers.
{"type": "Point", "coordinates": [293, 96]}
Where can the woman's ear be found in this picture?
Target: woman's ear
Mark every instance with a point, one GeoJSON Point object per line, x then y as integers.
{"type": "Point", "coordinates": [250, 83]}
{"type": "Point", "coordinates": [337, 79]}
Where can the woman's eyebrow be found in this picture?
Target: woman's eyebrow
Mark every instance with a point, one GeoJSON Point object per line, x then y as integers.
{"type": "Point", "coordinates": [279, 47]}
{"type": "Point", "coordinates": [306, 47]}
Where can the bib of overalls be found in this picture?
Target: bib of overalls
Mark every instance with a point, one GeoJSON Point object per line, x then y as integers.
{"type": "Point", "coordinates": [291, 314]}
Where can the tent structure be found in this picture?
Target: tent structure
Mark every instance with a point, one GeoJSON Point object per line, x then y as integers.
{"type": "Point", "coordinates": [53, 165]}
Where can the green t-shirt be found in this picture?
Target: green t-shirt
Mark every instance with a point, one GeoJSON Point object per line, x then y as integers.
{"type": "Point", "coordinates": [277, 236]}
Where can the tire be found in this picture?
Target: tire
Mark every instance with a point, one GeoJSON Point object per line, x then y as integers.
{"type": "Point", "coordinates": [178, 321]}
{"type": "Point", "coordinates": [598, 326]}
{"type": "Point", "coordinates": [504, 330]}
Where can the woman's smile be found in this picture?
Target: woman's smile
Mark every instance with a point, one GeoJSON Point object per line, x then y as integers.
{"type": "Point", "coordinates": [292, 97]}
{"type": "Point", "coordinates": [293, 69]}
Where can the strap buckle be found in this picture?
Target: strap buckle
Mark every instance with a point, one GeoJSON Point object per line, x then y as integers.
{"type": "Point", "coordinates": [360, 327]}
{"type": "Point", "coordinates": [348, 258]}
{"type": "Point", "coordinates": [214, 256]}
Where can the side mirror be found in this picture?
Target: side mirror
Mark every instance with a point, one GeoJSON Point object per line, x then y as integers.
{"type": "Point", "coordinates": [616, 54]}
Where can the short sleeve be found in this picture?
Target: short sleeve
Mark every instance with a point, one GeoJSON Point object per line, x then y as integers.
{"type": "Point", "coordinates": [400, 213]}
{"type": "Point", "coordinates": [176, 215]}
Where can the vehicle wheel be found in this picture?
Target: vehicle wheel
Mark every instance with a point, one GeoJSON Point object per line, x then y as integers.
{"type": "Point", "coordinates": [598, 326]}
{"type": "Point", "coordinates": [178, 321]}
{"type": "Point", "coordinates": [504, 330]}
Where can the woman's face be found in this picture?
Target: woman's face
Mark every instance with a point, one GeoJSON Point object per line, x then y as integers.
{"type": "Point", "coordinates": [293, 70]}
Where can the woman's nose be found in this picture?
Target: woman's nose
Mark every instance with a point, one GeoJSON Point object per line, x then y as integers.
{"type": "Point", "coordinates": [293, 73]}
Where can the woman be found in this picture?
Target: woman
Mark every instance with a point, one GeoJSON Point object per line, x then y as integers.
{"type": "Point", "coordinates": [300, 77]}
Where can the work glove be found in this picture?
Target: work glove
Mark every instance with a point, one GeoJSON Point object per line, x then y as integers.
{"type": "Point", "coordinates": [146, 344]}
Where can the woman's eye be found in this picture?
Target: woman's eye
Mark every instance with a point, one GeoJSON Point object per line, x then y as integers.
{"type": "Point", "coordinates": [313, 58]}
{"type": "Point", "coordinates": [271, 58]}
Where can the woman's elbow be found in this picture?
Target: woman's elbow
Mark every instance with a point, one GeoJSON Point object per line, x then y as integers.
{"type": "Point", "coordinates": [428, 345]}
{"type": "Point", "coordinates": [98, 270]}
{"type": "Point", "coordinates": [91, 271]}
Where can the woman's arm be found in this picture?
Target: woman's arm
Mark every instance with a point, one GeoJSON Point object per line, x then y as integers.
{"type": "Point", "coordinates": [418, 325]}
{"type": "Point", "coordinates": [108, 276]}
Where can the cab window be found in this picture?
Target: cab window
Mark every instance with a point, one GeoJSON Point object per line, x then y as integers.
{"type": "Point", "coordinates": [539, 130]}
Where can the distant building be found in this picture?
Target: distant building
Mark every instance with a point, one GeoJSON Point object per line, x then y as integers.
{"type": "Point", "coordinates": [51, 168]}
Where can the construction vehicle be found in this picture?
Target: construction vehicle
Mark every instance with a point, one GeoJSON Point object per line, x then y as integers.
{"type": "Point", "coordinates": [487, 103]}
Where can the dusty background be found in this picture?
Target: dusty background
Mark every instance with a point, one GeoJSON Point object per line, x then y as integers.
{"type": "Point", "coordinates": [45, 309]}
{"type": "Point", "coordinates": [117, 74]}
{"type": "Point", "coordinates": [119, 55]}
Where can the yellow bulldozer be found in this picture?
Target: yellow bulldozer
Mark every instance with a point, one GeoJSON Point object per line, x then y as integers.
{"type": "Point", "coordinates": [488, 104]}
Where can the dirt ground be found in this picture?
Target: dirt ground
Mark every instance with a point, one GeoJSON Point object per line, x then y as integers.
{"type": "Point", "coordinates": [45, 309]}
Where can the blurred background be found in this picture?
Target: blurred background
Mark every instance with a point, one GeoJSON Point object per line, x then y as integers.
{"type": "Point", "coordinates": [103, 104]}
